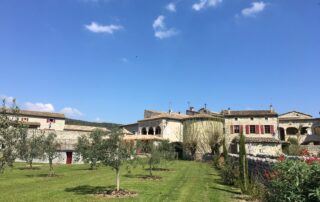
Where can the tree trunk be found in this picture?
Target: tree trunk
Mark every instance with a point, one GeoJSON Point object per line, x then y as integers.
{"type": "Point", "coordinates": [118, 179]}
{"type": "Point", "coordinates": [30, 164]}
{"type": "Point", "coordinates": [51, 173]}
{"type": "Point", "coordinates": [150, 169]}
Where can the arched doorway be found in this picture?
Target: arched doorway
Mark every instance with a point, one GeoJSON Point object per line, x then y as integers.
{"type": "Point", "coordinates": [144, 131]}
{"type": "Point", "coordinates": [303, 130]}
{"type": "Point", "coordinates": [282, 134]}
{"type": "Point", "coordinates": [158, 130]}
{"type": "Point", "coordinates": [150, 132]}
{"type": "Point", "coordinates": [292, 131]}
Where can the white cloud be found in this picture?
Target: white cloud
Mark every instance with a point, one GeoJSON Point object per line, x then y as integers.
{"type": "Point", "coordinates": [160, 29]}
{"type": "Point", "coordinates": [39, 106]}
{"type": "Point", "coordinates": [159, 23]}
{"type": "Point", "coordinates": [161, 34]}
{"type": "Point", "coordinates": [256, 7]}
{"type": "Point", "coordinates": [205, 3]}
{"type": "Point", "coordinates": [71, 112]}
{"type": "Point", "coordinates": [171, 7]}
{"type": "Point", "coordinates": [98, 28]}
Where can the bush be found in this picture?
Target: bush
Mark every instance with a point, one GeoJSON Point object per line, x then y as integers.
{"type": "Point", "coordinates": [293, 180]}
{"type": "Point", "coordinates": [229, 173]}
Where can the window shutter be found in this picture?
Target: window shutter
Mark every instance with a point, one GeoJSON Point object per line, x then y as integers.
{"type": "Point", "coordinates": [247, 129]}
{"type": "Point", "coordinates": [231, 129]}
{"type": "Point", "coordinates": [272, 129]}
{"type": "Point", "coordinates": [257, 129]}
{"type": "Point", "coordinates": [241, 129]}
{"type": "Point", "coordinates": [262, 129]}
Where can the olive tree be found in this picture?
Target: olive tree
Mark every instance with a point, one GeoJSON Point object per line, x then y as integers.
{"type": "Point", "coordinates": [89, 148]}
{"type": "Point", "coordinates": [51, 147]}
{"type": "Point", "coordinates": [32, 147]}
{"type": "Point", "coordinates": [114, 152]}
{"type": "Point", "coordinates": [10, 133]}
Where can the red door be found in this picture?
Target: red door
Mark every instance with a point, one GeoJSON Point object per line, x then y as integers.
{"type": "Point", "coordinates": [69, 157]}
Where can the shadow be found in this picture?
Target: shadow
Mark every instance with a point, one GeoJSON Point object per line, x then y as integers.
{"type": "Point", "coordinates": [142, 176]}
{"type": "Point", "coordinates": [226, 190]}
{"type": "Point", "coordinates": [44, 175]}
{"type": "Point", "coordinates": [87, 189]}
{"type": "Point", "coordinates": [28, 168]}
{"type": "Point", "coordinates": [159, 169]}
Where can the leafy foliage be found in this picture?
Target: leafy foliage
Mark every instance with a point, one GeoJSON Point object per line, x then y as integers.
{"type": "Point", "coordinates": [294, 180]}
{"type": "Point", "coordinates": [89, 148]}
{"type": "Point", "coordinates": [10, 134]}
{"type": "Point", "coordinates": [156, 152]}
{"type": "Point", "coordinates": [32, 147]}
{"type": "Point", "coordinates": [51, 147]}
{"type": "Point", "coordinates": [243, 165]}
{"type": "Point", "coordinates": [115, 151]}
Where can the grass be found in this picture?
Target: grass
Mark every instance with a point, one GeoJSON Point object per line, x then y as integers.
{"type": "Point", "coordinates": [187, 181]}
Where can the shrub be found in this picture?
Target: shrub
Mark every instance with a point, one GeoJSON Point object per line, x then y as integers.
{"type": "Point", "coordinates": [293, 180]}
{"type": "Point", "coordinates": [229, 173]}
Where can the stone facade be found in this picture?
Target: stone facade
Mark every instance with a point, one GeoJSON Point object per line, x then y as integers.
{"type": "Point", "coordinates": [298, 125]}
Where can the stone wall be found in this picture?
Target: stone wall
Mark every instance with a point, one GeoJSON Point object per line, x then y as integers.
{"type": "Point", "coordinates": [257, 166]}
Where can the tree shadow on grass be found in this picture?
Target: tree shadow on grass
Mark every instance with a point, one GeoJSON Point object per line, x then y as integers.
{"type": "Point", "coordinates": [28, 168]}
{"type": "Point", "coordinates": [159, 169]}
{"type": "Point", "coordinates": [139, 176]}
{"type": "Point", "coordinates": [87, 189]}
{"type": "Point", "coordinates": [226, 190]}
{"type": "Point", "coordinates": [44, 175]}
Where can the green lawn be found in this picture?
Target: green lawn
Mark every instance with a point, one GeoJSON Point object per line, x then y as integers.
{"type": "Point", "coordinates": [188, 181]}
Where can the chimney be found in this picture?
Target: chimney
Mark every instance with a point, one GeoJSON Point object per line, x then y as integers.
{"type": "Point", "coordinates": [170, 111]}
{"type": "Point", "coordinates": [271, 108]}
{"type": "Point", "coordinates": [228, 110]}
{"type": "Point", "coordinates": [191, 109]}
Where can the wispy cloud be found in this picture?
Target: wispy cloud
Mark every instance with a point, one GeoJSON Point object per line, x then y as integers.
{"type": "Point", "coordinates": [71, 112]}
{"type": "Point", "coordinates": [256, 7]}
{"type": "Point", "coordinates": [39, 106]}
{"type": "Point", "coordinates": [205, 3]}
{"type": "Point", "coordinates": [99, 28]}
{"type": "Point", "coordinates": [160, 29]}
{"type": "Point", "coordinates": [171, 7]}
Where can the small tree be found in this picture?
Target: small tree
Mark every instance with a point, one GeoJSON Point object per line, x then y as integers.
{"type": "Point", "coordinates": [30, 148]}
{"type": "Point", "coordinates": [224, 150]}
{"type": "Point", "coordinates": [10, 133]}
{"type": "Point", "coordinates": [51, 147]}
{"type": "Point", "coordinates": [243, 165]}
{"type": "Point", "coordinates": [114, 152]}
{"type": "Point", "coordinates": [89, 148]}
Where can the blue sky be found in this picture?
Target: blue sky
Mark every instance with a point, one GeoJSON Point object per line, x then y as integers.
{"type": "Point", "coordinates": [108, 60]}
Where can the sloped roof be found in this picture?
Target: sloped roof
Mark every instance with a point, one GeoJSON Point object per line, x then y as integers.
{"type": "Point", "coordinates": [36, 113]}
{"type": "Point", "coordinates": [299, 115]}
{"type": "Point", "coordinates": [248, 113]}
{"type": "Point", "coordinates": [167, 115]}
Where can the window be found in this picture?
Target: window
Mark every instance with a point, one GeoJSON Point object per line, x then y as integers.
{"type": "Point", "coordinates": [236, 119]}
{"type": "Point", "coordinates": [24, 119]}
{"type": "Point", "coordinates": [267, 129]}
{"type": "Point", "coordinates": [266, 118]}
{"type": "Point", "coordinates": [252, 129]}
{"type": "Point", "coordinates": [251, 118]}
{"type": "Point", "coordinates": [51, 120]}
{"type": "Point", "coordinates": [236, 129]}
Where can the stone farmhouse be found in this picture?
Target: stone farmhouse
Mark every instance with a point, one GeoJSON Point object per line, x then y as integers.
{"type": "Point", "coordinates": [46, 122]}
{"type": "Point", "coordinates": [266, 132]}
